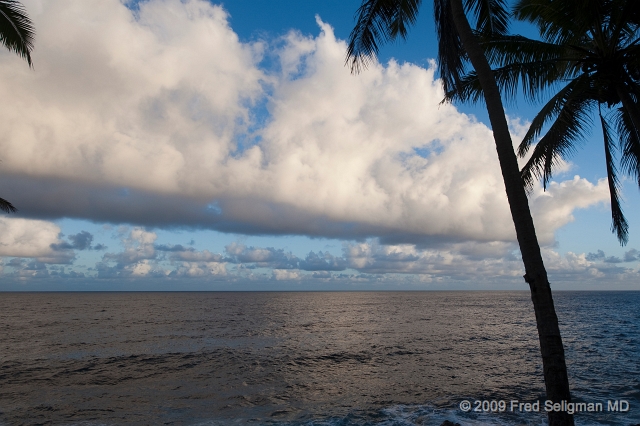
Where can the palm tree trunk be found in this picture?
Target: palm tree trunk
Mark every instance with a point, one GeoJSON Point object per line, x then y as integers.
{"type": "Point", "coordinates": [555, 370]}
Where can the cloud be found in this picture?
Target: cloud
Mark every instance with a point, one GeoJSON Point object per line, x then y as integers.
{"type": "Point", "coordinates": [33, 239]}
{"type": "Point", "coordinates": [138, 247]}
{"type": "Point", "coordinates": [261, 257]}
{"type": "Point", "coordinates": [137, 259]}
{"type": "Point", "coordinates": [553, 208]}
{"type": "Point", "coordinates": [499, 264]}
{"type": "Point", "coordinates": [445, 262]}
{"type": "Point", "coordinates": [172, 248]}
{"type": "Point", "coordinates": [285, 275]}
{"type": "Point", "coordinates": [197, 256]}
{"type": "Point", "coordinates": [80, 241]}
{"type": "Point", "coordinates": [33, 269]}
{"type": "Point", "coordinates": [631, 255]}
{"type": "Point", "coordinates": [467, 264]}
{"type": "Point", "coordinates": [200, 270]}
{"type": "Point", "coordinates": [141, 257]}
{"type": "Point", "coordinates": [155, 118]}
{"type": "Point", "coordinates": [322, 262]}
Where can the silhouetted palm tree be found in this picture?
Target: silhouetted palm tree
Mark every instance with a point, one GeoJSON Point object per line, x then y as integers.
{"type": "Point", "coordinates": [16, 34]}
{"type": "Point", "coordinates": [383, 20]}
{"type": "Point", "coordinates": [589, 50]}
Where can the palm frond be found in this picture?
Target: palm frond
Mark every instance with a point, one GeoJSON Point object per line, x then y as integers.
{"type": "Point", "coordinates": [506, 49]}
{"type": "Point", "coordinates": [6, 206]}
{"type": "Point", "coordinates": [619, 224]}
{"type": "Point", "coordinates": [628, 127]}
{"type": "Point", "coordinates": [568, 129]}
{"type": "Point", "coordinates": [632, 59]}
{"type": "Point", "coordinates": [534, 65]}
{"type": "Point", "coordinates": [468, 89]}
{"type": "Point", "coordinates": [451, 55]}
{"type": "Point", "coordinates": [572, 97]}
{"type": "Point", "coordinates": [16, 30]}
{"type": "Point", "coordinates": [377, 22]}
{"type": "Point", "coordinates": [629, 139]}
{"type": "Point", "coordinates": [629, 94]}
{"type": "Point", "coordinates": [559, 22]}
{"type": "Point", "coordinates": [492, 16]}
{"type": "Point", "coordinates": [632, 13]}
{"type": "Point", "coordinates": [511, 49]}
{"type": "Point", "coordinates": [623, 25]}
{"type": "Point", "coordinates": [532, 76]}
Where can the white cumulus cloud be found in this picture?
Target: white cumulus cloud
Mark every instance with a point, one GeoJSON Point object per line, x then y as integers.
{"type": "Point", "coordinates": [31, 238]}
{"type": "Point", "coordinates": [149, 117]}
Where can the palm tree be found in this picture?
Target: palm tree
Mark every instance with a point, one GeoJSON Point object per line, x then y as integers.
{"type": "Point", "coordinates": [590, 50]}
{"type": "Point", "coordinates": [383, 20]}
{"type": "Point", "coordinates": [6, 206]}
{"type": "Point", "coordinates": [16, 34]}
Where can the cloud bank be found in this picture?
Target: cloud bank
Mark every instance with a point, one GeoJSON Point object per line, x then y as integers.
{"type": "Point", "coordinates": [162, 117]}
{"type": "Point", "coordinates": [367, 264]}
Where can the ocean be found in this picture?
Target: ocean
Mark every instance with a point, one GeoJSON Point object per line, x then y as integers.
{"type": "Point", "coordinates": [310, 358]}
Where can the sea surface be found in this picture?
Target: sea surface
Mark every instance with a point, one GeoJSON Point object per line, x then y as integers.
{"type": "Point", "coordinates": [308, 358]}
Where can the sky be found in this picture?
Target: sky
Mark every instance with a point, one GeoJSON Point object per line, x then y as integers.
{"type": "Point", "coordinates": [194, 145]}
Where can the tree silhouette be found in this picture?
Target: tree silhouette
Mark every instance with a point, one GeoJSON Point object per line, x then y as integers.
{"type": "Point", "coordinates": [589, 51]}
{"type": "Point", "coordinates": [459, 46]}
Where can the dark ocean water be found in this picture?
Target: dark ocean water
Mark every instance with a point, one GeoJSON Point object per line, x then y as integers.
{"type": "Point", "coordinates": [405, 358]}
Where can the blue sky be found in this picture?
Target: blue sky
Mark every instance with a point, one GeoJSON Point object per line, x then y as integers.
{"type": "Point", "coordinates": [167, 145]}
